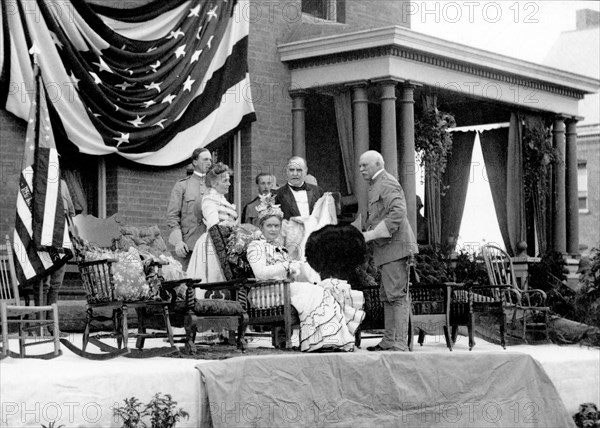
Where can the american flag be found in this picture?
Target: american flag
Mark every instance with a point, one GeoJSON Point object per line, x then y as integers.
{"type": "Point", "coordinates": [150, 83]}
{"type": "Point", "coordinates": [41, 239]}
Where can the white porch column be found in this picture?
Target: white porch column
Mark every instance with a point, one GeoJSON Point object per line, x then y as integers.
{"type": "Point", "coordinates": [360, 102]}
{"type": "Point", "coordinates": [572, 192]}
{"type": "Point", "coordinates": [298, 123]}
{"type": "Point", "coordinates": [389, 148]}
{"type": "Point", "coordinates": [559, 220]}
{"type": "Point", "coordinates": [406, 149]}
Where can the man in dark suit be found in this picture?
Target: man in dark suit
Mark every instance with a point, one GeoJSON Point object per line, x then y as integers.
{"type": "Point", "coordinates": [392, 241]}
{"type": "Point", "coordinates": [297, 198]}
{"type": "Point", "coordinates": [265, 183]}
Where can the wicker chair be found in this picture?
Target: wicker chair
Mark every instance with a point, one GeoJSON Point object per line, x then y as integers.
{"type": "Point", "coordinates": [270, 304]}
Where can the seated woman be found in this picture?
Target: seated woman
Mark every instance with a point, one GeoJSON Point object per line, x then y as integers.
{"type": "Point", "coordinates": [323, 323]}
{"type": "Point", "coordinates": [213, 209]}
{"type": "Point", "coordinates": [335, 252]}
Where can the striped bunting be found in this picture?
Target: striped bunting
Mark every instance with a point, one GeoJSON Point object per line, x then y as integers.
{"type": "Point", "coordinates": [150, 83]}
{"type": "Point", "coordinates": [41, 234]}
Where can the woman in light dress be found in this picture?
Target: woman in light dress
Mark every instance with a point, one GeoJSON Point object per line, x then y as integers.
{"type": "Point", "coordinates": [328, 319]}
{"type": "Point", "coordinates": [215, 209]}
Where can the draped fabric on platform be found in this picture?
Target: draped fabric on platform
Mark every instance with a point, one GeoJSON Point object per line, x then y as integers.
{"type": "Point", "coordinates": [150, 83]}
{"type": "Point", "coordinates": [343, 115]}
{"type": "Point", "coordinates": [495, 151]}
{"type": "Point", "coordinates": [515, 197]}
{"type": "Point", "coordinates": [40, 225]}
{"type": "Point", "coordinates": [456, 181]}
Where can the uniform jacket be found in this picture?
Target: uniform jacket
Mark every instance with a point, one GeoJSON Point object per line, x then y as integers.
{"type": "Point", "coordinates": [180, 211]}
{"type": "Point", "coordinates": [249, 214]}
{"type": "Point", "coordinates": [387, 203]}
{"type": "Point", "coordinates": [285, 198]}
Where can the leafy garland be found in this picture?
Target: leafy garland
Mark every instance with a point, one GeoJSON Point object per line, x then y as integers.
{"type": "Point", "coordinates": [538, 155]}
{"type": "Point", "coordinates": [433, 142]}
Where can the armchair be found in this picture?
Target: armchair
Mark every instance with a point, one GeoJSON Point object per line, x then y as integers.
{"type": "Point", "coordinates": [528, 306]}
{"type": "Point", "coordinates": [13, 312]}
{"type": "Point", "coordinates": [270, 303]}
{"type": "Point", "coordinates": [120, 283]}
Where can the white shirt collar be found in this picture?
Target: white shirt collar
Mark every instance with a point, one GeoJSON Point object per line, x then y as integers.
{"type": "Point", "coordinates": [377, 173]}
{"type": "Point", "coordinates": [199, 175]}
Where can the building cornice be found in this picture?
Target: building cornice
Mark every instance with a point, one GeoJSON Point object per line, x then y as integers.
{"type": "Point", "coordinates": [407, 44]}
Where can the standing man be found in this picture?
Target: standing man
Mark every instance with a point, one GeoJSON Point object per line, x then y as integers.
{"type": "Point", "coordinates": [265, 183]}
{"type": "Point", "coordinates": [54, 281]}
{"type": "Point", "coordinates": [297, 198]}
{"type": "Point", "coordinates": [185, 227]}
{"type": "Point", "coordinates": [392, 241]}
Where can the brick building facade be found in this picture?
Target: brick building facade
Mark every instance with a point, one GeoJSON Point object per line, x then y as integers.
{"type": "Point", "coordinates": [139, 193]}
{"type": "Point", "coordinates": [315, 49]}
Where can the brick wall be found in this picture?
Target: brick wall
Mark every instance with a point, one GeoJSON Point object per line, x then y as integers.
{"type": "Point", "coordinates": [272, 23]}
{"type": "Point", "coordinates": [589, 232]}
{"type": "Point", "coordinates": [377, 13]}
{"type": "Point", "coordinates": [12, 140]}
{"type": "Point", "coordinates": [142, 193]}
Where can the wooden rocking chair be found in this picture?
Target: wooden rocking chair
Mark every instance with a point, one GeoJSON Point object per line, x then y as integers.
{"type": "Point", "coordinates": [270, 302]}
{"type": "Point", "coordinates": [13, 312]}
{"type": "Point", "coordinates": [528, 306]}
{"type": "Point", "coordinates": [99, 284]}
{"type": "Point", "coordinates": [191, 314]}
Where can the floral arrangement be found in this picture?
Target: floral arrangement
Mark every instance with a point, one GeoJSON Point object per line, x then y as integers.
{"type": "Point", "coordinates": [268, 207]}
{"type": "Point", "coordinates": [433, 142]}
{"type": "Point", "coordinates": [237, 245]}
{"type": "Point", "coordinates": [538, 156]}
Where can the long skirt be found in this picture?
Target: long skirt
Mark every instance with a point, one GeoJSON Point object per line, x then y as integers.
{"type": "Point", "coordinates": [328, 317]}
{"type": "Point", "coordinates": [204, 264]}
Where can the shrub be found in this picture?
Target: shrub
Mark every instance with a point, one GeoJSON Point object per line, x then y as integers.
{"type": "Point", "coordinates": [161, 410]}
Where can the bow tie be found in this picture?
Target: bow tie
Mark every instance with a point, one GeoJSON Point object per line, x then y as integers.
{"type": "Point", "coordinates": [297, 188]}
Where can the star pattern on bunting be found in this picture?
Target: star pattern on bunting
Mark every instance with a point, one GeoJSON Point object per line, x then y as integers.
{"type": "Point", "coordinates": [74, 80]}
{"type": "Point", "coordinates": [175, 34]}
{"type": "Point", "coordinates": [102, 66]}
{"type": "Point", "coordinates": [124, 138]}
{"type": "Point", "coordinates": [155, 66]}
{"type": "Point", "coordinates": [194, 12]}
{"type": "Point", "coordinates": [168, 99]}
{"type": "Point", "coordinates": [149, 73]}
{"type": "Point", "coordinates": [97, 79]}
{"type": "Point", "coordinates": [55, 40]}
{"type": "Point", "coordinates": [153, 85]}
{"type": "Point", "coordinates": [124, 85]}
{"type": "Point", "coordinates": [212, 13]}
{"type": "Point", "coordinates": [180, 51]}
{"type": "Point", "coordinates": [160, 123]}
{"type": "Point", "coordinates": [195, 56]}
{"type": "Point", "coordinates": [137, 121]}
{"type": "Point", "coordinates": [187, 85]}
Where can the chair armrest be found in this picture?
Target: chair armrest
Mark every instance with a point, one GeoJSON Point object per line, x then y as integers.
{"type": "Point", "coordinates": [534, 292]}
{"type": "Point", "coordinates": [97, 262]}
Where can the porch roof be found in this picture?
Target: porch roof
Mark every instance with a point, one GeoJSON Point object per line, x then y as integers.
{"type": "Point", "coordinates": [405, 55]}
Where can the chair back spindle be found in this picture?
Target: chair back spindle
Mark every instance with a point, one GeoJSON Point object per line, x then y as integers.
{"type": "Point", "coordinates": [9, 289]}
